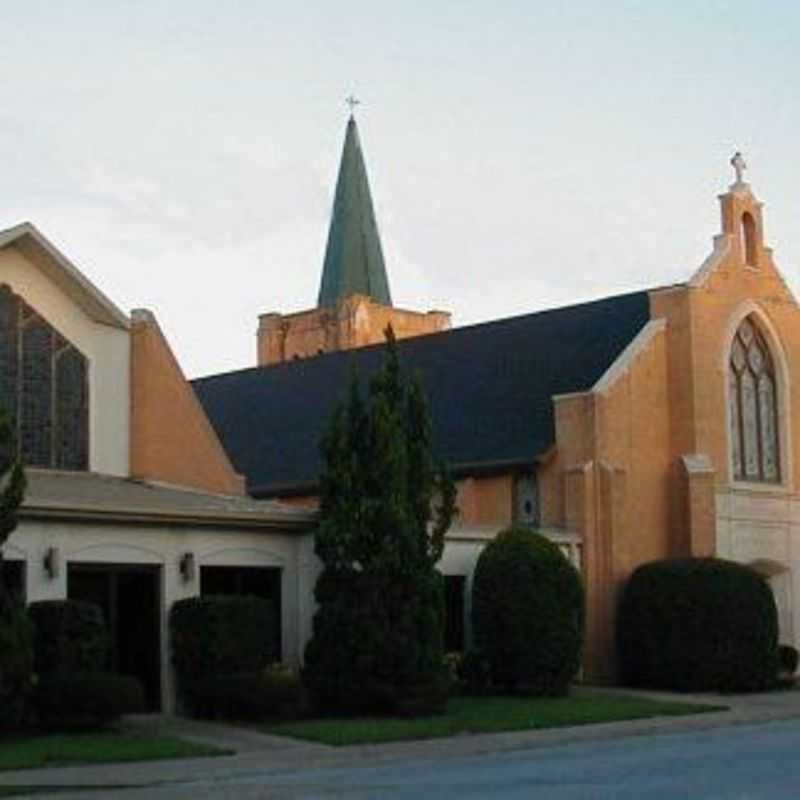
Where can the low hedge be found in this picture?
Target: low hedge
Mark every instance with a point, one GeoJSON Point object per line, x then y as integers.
{"type": "Point", "coordinates": [16, 661]}
{"type": "Point", "coordinates": [86, 699]}
{"type": "Point", "coordinates": [70, 636]}
{"type": "Point", "coordinates": [217, 635]}
{"type": "Point", "coordinates": [527, 614]}
{"type": "Point", "coordinates": [701, 624]}
{"type": "Point", "coordinates": [272, 693]}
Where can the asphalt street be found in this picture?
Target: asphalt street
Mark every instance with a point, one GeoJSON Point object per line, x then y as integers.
{"type": "Point", "coordinates": [742, 762]}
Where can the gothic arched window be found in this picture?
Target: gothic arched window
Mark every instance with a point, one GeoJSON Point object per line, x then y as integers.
{"type": "Point", "coordinates": [44, 386]}
{"type": "Point", "coordinates": [753, 411]}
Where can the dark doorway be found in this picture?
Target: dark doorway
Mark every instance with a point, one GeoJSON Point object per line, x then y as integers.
{"type": "Point", "coordinates": [130, 597]}
{"type": "Point", "coordinates": [12, 573]}
{"type": "Point", "coordinates": [454, 613]}
{"type": "Point", "coordinates": [262, 582]}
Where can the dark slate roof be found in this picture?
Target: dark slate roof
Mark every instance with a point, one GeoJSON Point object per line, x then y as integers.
{"type": "Point", "coordinates": [490, 388]}
{"type": "Point", "coordinates": [353, 257]}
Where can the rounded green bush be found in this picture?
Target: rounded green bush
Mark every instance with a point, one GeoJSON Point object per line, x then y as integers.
{"type": "Point", "coordinates": [86, 699]}
{"type": "Point", "coordinates": [528, 613]}
{"type": "Point", "coordinates": [275, 692]}
{"type": "Point", "coordinates": [16, 662]}
{"type": "Point", "coordinates": [70, 636]}
{"type": "Point", "coordinates": [700, 624]}
{"type": "Point", "coordinates": [217, 635]}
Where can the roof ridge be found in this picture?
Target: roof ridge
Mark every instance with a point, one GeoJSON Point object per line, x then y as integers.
{"type": "Point", "coordinates": [451, 332]}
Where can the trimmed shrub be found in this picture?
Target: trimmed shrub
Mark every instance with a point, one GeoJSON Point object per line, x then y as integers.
{"type": "Point", "coordinates": [16, 662]}
{"type": "Point", "coordinates": [70, 636]}
{"type": "Point", "coordinates": [528, 613]}
{"type": "Point", "coordinates": [220, 635]}
{"type": "Point", "coordinates": [788, 658]}
{"type": "Point", "coordinates": [474, 673]}
{"type": "Point", "coordinates": [377, 644]}
{"type": "Point", "coordinates": [86, 699]}
{"type": "Point", "coordinates": [274, 692]}
{"type": "Point", "coordinates": [700, 624]}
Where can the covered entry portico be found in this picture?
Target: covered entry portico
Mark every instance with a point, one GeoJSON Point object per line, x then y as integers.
{"type": "Point", "coordinates": [134, 548]}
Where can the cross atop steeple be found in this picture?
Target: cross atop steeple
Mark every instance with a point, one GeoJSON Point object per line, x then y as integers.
{"type": "Point", "coordinates": [352, 101]}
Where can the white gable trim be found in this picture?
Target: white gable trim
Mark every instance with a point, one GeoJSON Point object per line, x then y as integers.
{"type": "Point", "coordinates": [722, 249]}
{"type": "Point", "coordinates": [625, 359]}
{"type": "Point", "coordinates": [64, 274]}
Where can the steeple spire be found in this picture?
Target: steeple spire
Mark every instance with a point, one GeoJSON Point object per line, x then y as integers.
{"type": "Point", "coordinates": [353, 257]}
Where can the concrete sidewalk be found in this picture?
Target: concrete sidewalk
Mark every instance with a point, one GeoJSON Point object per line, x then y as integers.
{"type": "Point", "coordinates": [258, 752]}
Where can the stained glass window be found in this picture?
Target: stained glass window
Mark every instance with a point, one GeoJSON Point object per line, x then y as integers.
{"type": "Point", "coordinates": [753, 407]}
{"type": "Point", "coordinates": [526, 500]}
{"type": "Point", "coordinates": [44, 387]}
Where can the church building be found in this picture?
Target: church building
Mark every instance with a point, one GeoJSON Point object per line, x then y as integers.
{"type": "Point", "coordinates": [640, 426]}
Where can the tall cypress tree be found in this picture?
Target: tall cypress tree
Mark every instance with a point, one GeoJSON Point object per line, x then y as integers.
{"type": "Point", "coordinates": [385, 507]}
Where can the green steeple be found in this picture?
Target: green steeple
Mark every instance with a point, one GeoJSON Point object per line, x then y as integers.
{"type": "Point", "coordinates": [353, 257]}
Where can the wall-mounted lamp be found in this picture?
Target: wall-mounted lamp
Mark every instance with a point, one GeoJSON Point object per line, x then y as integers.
{"type": "Point", "coordinates": [186, 567]}
{"type": "Point", "coordinates": [50, 562]}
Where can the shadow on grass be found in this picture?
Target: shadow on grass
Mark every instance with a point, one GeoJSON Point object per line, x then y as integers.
{"type": "Point", "coordinates": [492, 714]}
{"type": "Point", "coordinates": [31, 751]}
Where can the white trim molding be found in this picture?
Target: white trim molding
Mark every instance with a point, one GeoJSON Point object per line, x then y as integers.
{"type": "Point", "coordinates": [625, 359]}
{"type": "Point", "coordinates": [56, 266]}
{"type": "Point", "coordinates": [720, 251]}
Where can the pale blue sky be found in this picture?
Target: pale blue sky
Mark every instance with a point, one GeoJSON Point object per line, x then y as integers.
{"type": "Point", "coordinates": [521, 155]}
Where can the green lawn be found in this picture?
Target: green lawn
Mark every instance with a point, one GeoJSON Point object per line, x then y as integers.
{"type": "Point", "coordinates": [488, 715]}
{"type": "Point", "coordinates": [50, 750]}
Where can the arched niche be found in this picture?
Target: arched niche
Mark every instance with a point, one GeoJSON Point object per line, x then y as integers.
{"type": "Point", "coordinates": [749, 240]}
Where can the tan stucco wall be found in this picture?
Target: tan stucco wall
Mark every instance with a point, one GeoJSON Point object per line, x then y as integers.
{"type": "Point", "coordinates": [486, 501]}
{"type": "Point", "coordinates": [171, 438]}
{"type": "Point", "coordinates": [106, 348]}
{"type": "Point", "coordinates": [480, 501]}
{"type": "Point", "coordinates": [357, 321]}
{"type": "Point", "coordinates": [550, 478]}
{"type": "Point", "coordinates": [614, 456]}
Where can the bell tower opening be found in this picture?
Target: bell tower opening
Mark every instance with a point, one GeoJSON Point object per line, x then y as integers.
{"type": "Point", "coordinates": [749, 240]}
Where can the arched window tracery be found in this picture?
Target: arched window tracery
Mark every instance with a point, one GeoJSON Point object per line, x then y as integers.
{"type": "Point", "coordinates": [44, 387]}
{"type": "Point", "coordinates": [753, 407]}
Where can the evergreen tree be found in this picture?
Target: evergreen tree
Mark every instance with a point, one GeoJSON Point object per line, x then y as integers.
{"type": "Point", "coordinates": [385, 507]}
